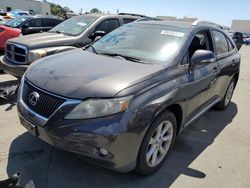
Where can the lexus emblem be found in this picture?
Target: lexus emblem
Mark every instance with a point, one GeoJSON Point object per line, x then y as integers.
{"type": "Point", "coordinates": [33, 98]}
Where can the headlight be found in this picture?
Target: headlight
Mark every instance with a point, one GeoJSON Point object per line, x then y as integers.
{"type": "Point", "coordinates": [36, 54]}
{"type": "Point", "coordinates": [99, 108]}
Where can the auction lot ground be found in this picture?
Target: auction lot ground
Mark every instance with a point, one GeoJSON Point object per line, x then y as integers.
{"type": "Point", "coordinates": [213, 152]}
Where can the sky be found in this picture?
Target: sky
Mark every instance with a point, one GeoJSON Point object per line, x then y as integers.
{"type": "Point", "coordinates": [219, 11]}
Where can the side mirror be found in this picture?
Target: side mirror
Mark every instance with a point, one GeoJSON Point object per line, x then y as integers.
{"type": "Point", "coordinates": [202, 57]}
{"type": "Point", "coordinates": [97, 35]}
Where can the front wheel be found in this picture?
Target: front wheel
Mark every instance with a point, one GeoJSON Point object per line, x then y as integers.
{"type": "Point", "coordinates": [157, 143]}
{"type": "Point", "coordinates": [228, 96]}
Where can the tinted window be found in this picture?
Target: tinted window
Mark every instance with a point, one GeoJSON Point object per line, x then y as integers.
{"type": "Point", "coordinates": [34, 23]}
{"type": "Point", "coordinates": [16, 22]}
{"type": "Point", "coordinates": [127, 20]}
{"type": "Point", "coordinates": [51, 22]}
{"type": "Point", "coordinates": [201, 41]}
{"type": "Point", "coordinates": [220, 42]}
{"type": "Point", "coordinates": [108, 25]}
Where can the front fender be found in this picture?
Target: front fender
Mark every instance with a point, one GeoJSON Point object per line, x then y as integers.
{"type": "Point", "coordinates": [154, 101]}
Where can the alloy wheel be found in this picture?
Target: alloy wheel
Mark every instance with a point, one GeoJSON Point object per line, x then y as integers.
{"type": "Point", "coordinates": [229, 93]}
{"type": "Point", "coordinates": [159, 143]}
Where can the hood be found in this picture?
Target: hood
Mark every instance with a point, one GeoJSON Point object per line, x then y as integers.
{"type": "Point", "coordinates": [78, 74]}
{"type": "Point", "coordinates": [41, 40]}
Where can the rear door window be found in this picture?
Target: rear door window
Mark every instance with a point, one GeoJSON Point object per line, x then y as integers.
{"type": "Point", "coordinates": [108, 25]}
{"type": "Point", "coordinates": [34, 23]}
{"type": "Point", "coordinates": [221, 44]}
{"type": "Point", "coordinates": [128, 20]}
{"type": "Point", "coordinates": [50, 22]}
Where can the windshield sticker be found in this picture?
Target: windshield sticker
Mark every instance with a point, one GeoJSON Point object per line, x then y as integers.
{"type": "Point", "coordinates": [172, 33]}
{"type": "Point", "coordinates": [81, 24]}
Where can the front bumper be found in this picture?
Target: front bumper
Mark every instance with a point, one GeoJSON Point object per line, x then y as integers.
{"type": "Point", "coordinates": [120, 134]}
{"type": "Point", "coordinates": [12, 69]}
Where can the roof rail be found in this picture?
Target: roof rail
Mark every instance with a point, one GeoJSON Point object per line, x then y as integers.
{"type": "Point", "coordinates": [148, 19]}
{"type": "Point", "coordinates": [131, 14]}
{"type": "Point", "coordinates": [196, 22]}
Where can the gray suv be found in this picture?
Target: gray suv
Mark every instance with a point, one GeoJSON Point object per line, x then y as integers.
{"type": "Point", "coordinates": [122, 101]}
{"type": "Point", "coordinates": [76, 32]}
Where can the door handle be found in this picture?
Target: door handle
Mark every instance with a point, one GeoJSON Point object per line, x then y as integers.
{"type": "Point", "coordinates": [213, 82]}
{"type": "Point", "coordinates": [215, 69]}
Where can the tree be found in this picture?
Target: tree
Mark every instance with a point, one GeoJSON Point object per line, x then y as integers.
{"type": "Point", "coordinates": [95, 10]}
{"type": "Point", "coordinates": [57, 10]}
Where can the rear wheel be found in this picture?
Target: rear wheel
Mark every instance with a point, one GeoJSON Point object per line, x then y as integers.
{"type": "Point", "coordinates": [228, 96]}
{"type": "Point", "coordinates": [157, 143]}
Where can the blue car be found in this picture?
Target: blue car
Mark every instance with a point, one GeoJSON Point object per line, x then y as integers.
{"type": "Point", "coordinates": [247, 41]}
{"type": "Point", "coordinates": [17, 13]}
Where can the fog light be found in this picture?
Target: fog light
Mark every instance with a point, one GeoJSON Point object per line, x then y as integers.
{"type": "Point", "coordinates": [103, 151]}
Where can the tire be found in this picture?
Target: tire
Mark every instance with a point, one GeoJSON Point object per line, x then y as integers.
{"type": "Point", "coordinates": [162, 146]}
{"type": "Point", "coordinates": [228, 96]}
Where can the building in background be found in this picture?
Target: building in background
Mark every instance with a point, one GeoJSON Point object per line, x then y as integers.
{"type": "Point", "coordinates": [242, 26]}
{"type": "Point", "coordinates": [37, 7]}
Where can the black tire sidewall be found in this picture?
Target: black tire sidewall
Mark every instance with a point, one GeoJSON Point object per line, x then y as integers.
{"type": "Point", "coordinates": [142, 166]}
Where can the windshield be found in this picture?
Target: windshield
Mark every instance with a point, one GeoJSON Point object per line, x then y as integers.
{"type": "Point", "coordinates": [147, 42]}
{"type": "Point", "coordinates": [75, 25]}
{"type": "Point", "coordinates": [16, 22]}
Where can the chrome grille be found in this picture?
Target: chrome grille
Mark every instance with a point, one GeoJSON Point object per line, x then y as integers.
{"type": "Point", "coordinates": [16, 53]}
{"type": "Point", "coordinates": [46, 104]}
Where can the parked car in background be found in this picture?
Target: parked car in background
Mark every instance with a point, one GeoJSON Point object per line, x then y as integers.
{"type": "Point", "coordinates": [77, 31]}
{"type": "Point", "coordinates": [7, 33]}
{"type": "Point", "coordinates": [3, 12]}
{"type": "Point", "coordinates": [34, 24]}
{"type": "Point", "coordinates": [4, 21]}
{"type": "Point", "coordinates": [237, 38]}
{"type": "Point", "coordinates": [247, 40]}
{"type": "Point", "coordinates": [123, 101]}
{"type": "Point", "coordinates": [18, 13]}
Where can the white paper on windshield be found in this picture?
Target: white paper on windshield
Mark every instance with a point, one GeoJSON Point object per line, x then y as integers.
{"type": "Point", "coordinates": [81, 24]}
{"type": "Point", "coordinates": [172, 33]}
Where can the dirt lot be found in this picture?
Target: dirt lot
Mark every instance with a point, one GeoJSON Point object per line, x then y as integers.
{"type": "Point", "coordinates": [213, 152]}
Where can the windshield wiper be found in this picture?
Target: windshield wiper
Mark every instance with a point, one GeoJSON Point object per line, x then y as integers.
{"type": "Point", "coordinates": [60, 32]}
{"type": "Point", "coordinates": [129, 58]}
{"type": "Point", "coordinates": [92, 48]}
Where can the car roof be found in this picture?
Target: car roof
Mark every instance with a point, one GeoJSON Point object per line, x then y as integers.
{"type": "Point", "coordinates": [41, 16]}
{"type": "Point", "coordinates": [111, 16]}
{"type": "Point", "coordinates": [183, 23]}
{"type": "Point", "coordinates": [164, 22]}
